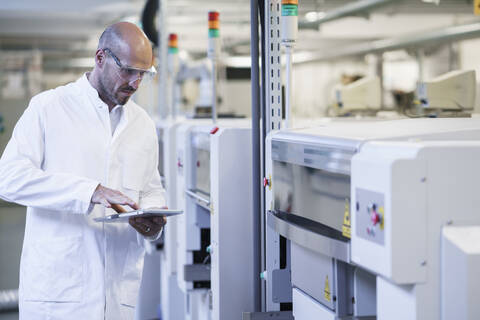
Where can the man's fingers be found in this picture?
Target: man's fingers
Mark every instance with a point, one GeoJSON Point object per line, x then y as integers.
{"type": "Point", "coordinates": [121, 199]}
{"type": "Point", "coordinates": [118, 208]}
{"type": "Point", "coordinates": [133, 205]}
{"type": "Point", "coordinates": [105, 203]}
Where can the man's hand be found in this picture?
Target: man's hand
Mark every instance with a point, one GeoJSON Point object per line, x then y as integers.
{"type": "Point", "coordinates": [148, 227]}
{"type": "Point", "coordinates": [108, 197]}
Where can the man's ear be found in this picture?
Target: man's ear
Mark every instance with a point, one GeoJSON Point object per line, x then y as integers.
{"type": "Point", "coordinates": [100, 58]}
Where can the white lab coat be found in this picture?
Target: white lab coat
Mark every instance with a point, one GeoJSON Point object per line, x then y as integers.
{"type": "Point", "coordinates": [61, 149]}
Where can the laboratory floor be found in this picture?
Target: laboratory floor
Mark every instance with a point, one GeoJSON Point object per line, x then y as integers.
{"type": "Point", "coordinates": [9, 316]}
{"type": "Point", "coordinates": [12, 227]}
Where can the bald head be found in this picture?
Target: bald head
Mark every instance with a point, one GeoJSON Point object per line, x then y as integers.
{"type": "Point", "coordinates": [119, 70]}
{"type": "Point", "coordinates": [127, 40]}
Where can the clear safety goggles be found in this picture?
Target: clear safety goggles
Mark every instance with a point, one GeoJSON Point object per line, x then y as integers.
{"type": "Point", "coordinates": [131, 74]}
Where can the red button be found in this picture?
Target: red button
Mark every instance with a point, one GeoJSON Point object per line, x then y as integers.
{"type": "Point", "coordinates": [265, 182]}
{"type": "Point", "coordinates": [375, 217]}
{"type": "Point", "coordinates": [214, 130]}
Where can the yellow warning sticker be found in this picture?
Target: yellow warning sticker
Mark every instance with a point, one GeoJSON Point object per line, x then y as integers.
{"type": "Point", "coordinates": [381, 211]}
{"type": "Point", "coordinates": [327, 290]}
{"type": "Point", "coordinates": [346, 220]}
{"type": "Point", "coordinates": [476, 7]}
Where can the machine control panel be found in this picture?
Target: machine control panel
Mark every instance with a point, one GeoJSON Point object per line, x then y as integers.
{"type": "Point", "coordinates": [370, 215]}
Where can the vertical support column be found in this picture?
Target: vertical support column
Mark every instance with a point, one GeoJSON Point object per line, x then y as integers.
{"type": "Point", "coordinates": [256, 155]}
{"type": "Point", "coordinates": [379, 73]}
{"type": "Point", "coordinates": [453, 56]}
{"type": "Point", "coordinates": [274, 115]}
{"type": "Point", "coordinates": [214, 91]}
{"type": "Point", "coordinates": [289, 32]}
{"type": "Point", "coordinates": [273, 85]}
{"type": "Point", "coordinates": [421, 65]}
{"type": "Point", "coordinates": [213, 52]}
{"type": "Point", "coordinates": [163, 106]}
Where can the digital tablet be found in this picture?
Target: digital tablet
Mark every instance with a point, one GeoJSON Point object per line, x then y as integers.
{"type": "Point", "coordinates": [123, 217]}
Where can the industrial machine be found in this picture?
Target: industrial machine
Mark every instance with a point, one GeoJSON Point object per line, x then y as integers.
{"type": "Point", "coordinates": [363, 94]}
{"type": "Point", "coordinates": [214, 235]}
{"type": "Point", "coordinates": [454, 90]}
{"type": "Point", "coordinates": [415, 225]}
{"type": "Point", "coordinates": [334, 247]}
{"type": "Point", "coordinates": [172, 298]}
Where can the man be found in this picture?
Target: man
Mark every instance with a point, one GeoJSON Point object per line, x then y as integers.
{"type": "Point", "coordinates": [77, 151]}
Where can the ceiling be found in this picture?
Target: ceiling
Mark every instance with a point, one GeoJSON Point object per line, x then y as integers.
{"type": "Point", "coordinates": [65, 29]}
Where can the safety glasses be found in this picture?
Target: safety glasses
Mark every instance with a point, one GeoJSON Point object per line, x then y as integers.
{"type": "Point", "coordinates": [128, 73]}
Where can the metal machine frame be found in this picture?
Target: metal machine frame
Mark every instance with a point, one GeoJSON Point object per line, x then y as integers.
{"type": "Point", "coordinates": [218, 210]}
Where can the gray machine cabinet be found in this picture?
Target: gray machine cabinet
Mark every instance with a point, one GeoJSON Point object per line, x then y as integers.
{"type": "Point", "coordinates": [321, 276]}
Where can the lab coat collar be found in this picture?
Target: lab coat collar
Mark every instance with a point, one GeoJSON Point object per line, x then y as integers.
{"type": "Point", "coordinates": [94, 98]}
{"type": "Point", "coordinates": [90, 91]}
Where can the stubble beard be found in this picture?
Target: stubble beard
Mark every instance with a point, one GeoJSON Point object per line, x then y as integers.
{"type": "Point", "coordinates": [113, 97]}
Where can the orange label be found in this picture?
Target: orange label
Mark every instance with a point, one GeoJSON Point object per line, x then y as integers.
{"type": "Point", "coordinates": [290, 2]}
{"type": "Point", "coordinates": [215, 24]}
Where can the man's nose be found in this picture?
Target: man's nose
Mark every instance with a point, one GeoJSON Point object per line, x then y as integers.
{"type": "Point", "coordinates": [135, 83]}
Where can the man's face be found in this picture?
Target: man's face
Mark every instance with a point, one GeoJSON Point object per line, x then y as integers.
{"type": "Point", "coordinates": [116, 84]}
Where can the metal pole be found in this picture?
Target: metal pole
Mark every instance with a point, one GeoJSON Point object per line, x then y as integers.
{"type": "Point", "coordinates": [256, 188]}
{"type": "Point", "coordinates": [163, 107]}
{"type": "Point", "coordinates": [379, 73]}
{"type": "Point", "coordinates": [173, 100]}
{"type": "Point", "coordinates": [214, 90]}
{"type": "Point", "coordinates": [288, 88]}
{"type": "Point", "coordinates": [263, 115]}
{"type": "Point", "coordinates": [421, 64]}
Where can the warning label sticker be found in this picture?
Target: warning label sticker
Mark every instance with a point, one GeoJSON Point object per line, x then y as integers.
{"type": "Point", "coordinates": [327, 294]}
{"type": "Point", "coordinates": [346, 227]}
{"type": "Point", "coordinates": [382, 217]}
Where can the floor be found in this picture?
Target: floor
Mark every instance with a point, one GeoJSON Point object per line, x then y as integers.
{"type": "Point", "coordinates": [12, 226]}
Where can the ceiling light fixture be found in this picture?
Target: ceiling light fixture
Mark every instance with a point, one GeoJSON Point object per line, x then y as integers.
{"type": "Point", "coordinates": [313, 15]}
{"type": "Point", "coordinates": [437, 2]}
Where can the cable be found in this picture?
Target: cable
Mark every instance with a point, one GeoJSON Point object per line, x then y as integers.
{"type": "Point", "coordinates": [149, 14]}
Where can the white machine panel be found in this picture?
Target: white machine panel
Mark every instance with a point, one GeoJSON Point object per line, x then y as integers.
{"type": "Point", "coordinates": [394, 243]}
{"type": "Point", "coordinates": [306, 308]}
{"type": "Point", "coordinates": [460, 267]}
{"type": "Point", "coordinates": [231, 220]}
{"type": "Point", "coordinates": [426, 266]}
{"type": "Point", "coordinates": [184, 226]}
{"type": "Point", "coordinates": [172, 298]}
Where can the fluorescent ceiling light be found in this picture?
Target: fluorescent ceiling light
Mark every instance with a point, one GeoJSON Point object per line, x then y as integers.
{"type": "Point", "coordinates": [183, 54]}
{"type": "Point", "coordinates": [313, 16]}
